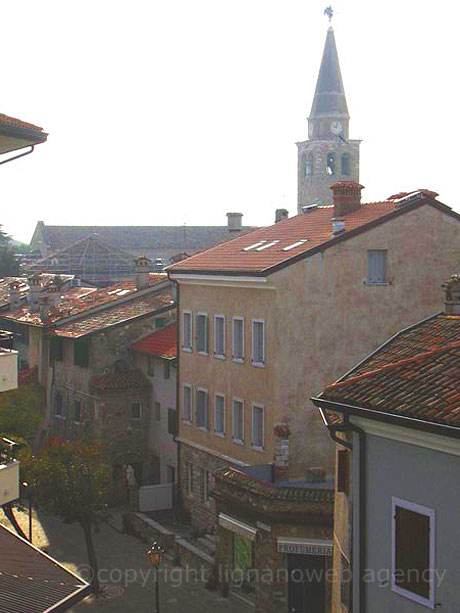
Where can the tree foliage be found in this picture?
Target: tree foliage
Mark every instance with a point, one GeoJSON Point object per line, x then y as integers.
{"type": "Point", "coordinates": [71, 480]}
{"type": "Point", "coordinates": [9, 266]}
{"type": "Point", "coordinates": [21, 412]}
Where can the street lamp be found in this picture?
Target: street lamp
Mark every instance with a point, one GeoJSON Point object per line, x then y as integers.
{"type": "Point", "coordinates": [155, 553]}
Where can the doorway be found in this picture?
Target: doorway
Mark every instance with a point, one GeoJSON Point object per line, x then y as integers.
{"type": "Point", "coordinates": [307, 584]}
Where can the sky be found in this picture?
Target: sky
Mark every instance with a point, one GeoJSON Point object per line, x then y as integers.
{"type": "Point", "coordinates": [176, 112]}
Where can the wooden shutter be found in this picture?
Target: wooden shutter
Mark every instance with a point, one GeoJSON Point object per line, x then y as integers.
{"type": "Point", "coordinates": [412, 551]}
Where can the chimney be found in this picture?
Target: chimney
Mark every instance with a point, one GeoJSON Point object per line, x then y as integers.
{"type": "Point", "coordinates": [234, 222]}
{"type": "Point", "coordinates": [35, 288]}
{"type": "Point", "coordinates": [44, 306]}
{"type": "Point", "coordinates": [281, 214]}
{"type": "Point", "coordinates": [281, 462]}
{"type": "Point", "coordinates": [346, 197]}
{"type": "Point", "coordinates": [53, 290]}
{"type": "Point", "coordinates": [452, 295]}
{"type": "Point", "coordinates": [14, 290]}
{"type": "Point", "coordinates": [143, 265]}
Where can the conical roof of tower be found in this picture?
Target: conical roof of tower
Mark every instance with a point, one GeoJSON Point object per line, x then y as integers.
{"type": "Point", "coordinates": [329, 97]}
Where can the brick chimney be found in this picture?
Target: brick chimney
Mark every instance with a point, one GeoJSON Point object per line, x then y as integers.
{"type": "Point", "coordinates": [35, 288]}
{"type": "Point", "coordinates": [14, 289]}
{"type": "Point", "coordinates": [281, 459]}
{"type": "Point", "coordinates": [143, 265]}
{"type": "Point", "coordinates": [452, 295]}
{"type": "Point", "coordinates": [44, 306]}
{"type": "Point", "coordinates": [346, 197]}
{"type": "Point", "coordinates": [234, 222]}
{"type": "Point", "coordinates": [281, 214]}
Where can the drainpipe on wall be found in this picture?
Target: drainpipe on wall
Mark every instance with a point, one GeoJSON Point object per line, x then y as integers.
{"type": "Point", "coordinates": [360, 491]}
{"type": "Point", "coordinates": [178, 351]}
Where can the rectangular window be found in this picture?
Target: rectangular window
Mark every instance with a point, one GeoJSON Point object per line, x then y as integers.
{"type": "Point", "coordinates": [189, 478]}
{"type": "Point", "coordinates": [136, 410]}
{"type": "Point", "coordinates": [187, 331]}
{"type": "Point", "coordinates": [167, 369]}
{"type": "Point", "coordinates": [238, 420]}
{"type": "Point", "coordinates": [202, 345]}
{"type": "Point", "coordinates": [157, 411]}
{"type": "Point", "coordinates": [56, 350]}
{"type": "Point", "coordinates": [77, 412]}
{"type": "Point", "coordinates": [172, 425]}
{"type": "Point", "coordinates": [187, 404]}
{"type": "Point", "coordinates": [206, 476]}
{"type": "Point", "coordinates": [343, 471]}
{"type": "Point", "coordinates": [413, 550]}
{"type": "Point", "coordinates": [58, 405]}
{"type": "Point", "coordinates": [258, 342]}
{"type": "Point", "coordinates": [377, 266]}
{"type": "Point", "coordinates": [81, 353]}
{"type": "Point", "coordinates": [219, 336]}
{"type": "Point", "coordinates": [257, 426]}
{"type": "Point", "coordinates": [238, 339]}
{"type": "Point", "coordinates": [202, 417]}
{"type": "Point", "coordinates": [151, 367]}
{"type": "Point", "coordinates": [171, 474]}
{"type": "Point", "coordinates": [219, 417]}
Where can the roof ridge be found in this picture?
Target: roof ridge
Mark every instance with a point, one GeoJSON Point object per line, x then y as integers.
{"type": "Point", "coordinates": [420, 356]}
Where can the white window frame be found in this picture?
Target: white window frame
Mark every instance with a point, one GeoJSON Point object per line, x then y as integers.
{"type": "Point", "coordinates": [206, 414]}
{"type": "Point", "coordinates": [254, 362]}
{"type": "Point", "coordinates": [256, 405]}
{"type": "Point", "coordinates": [239, 441]}
{"type": "Point", "coordinates": [220, 356]}
{"type": "Point", "coordinates": [428, 512]}
{"type": "Point", "coordinates": [237, 359]}
{"type": "Point", "coordinates": [184, 418]}
{"type": "Point", "coordinates": [187, 348]}
{"type": "Point", "coordinates": [221, 434]}
{"type": "Point", "coordinates": [206, 331]}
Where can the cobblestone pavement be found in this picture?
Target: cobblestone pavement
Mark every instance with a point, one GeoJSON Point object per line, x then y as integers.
{"type": "Point", "coordinates": [125, 570]}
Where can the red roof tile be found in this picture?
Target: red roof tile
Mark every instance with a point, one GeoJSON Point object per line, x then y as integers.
{"type": "Point", "coordinates": [117, 314]}
{"type": "Point", "coordinates": [315, 228]}
{"type": "Point", "coordinates": [77, 300]}
{"type": "Point", "coordinates": [120, 381]}
{"type": "Point", "coordinates": [416, 374]}
{"type": "Point", "coordinates": [162, 343]}
{"type": "Point", "coordinates": [12, 121]}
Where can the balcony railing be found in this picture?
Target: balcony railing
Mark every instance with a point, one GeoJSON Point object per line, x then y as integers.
{"type": "Point", "coordinates": [9, 472]}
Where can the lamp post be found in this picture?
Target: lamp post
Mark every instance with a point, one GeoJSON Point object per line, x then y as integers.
{"type": "Point", "coordinates": [155, 553]}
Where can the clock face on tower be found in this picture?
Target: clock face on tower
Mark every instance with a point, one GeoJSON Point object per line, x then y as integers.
{"type": "Point", "coordinates": [336, 127]}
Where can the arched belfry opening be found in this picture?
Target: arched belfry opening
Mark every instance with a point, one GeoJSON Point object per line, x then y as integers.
{"type": "Point", "coordinates": [330, 164]}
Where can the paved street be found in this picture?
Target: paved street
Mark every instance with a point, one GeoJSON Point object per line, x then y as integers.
{"type": "Point", "coordinates": [124, 567]}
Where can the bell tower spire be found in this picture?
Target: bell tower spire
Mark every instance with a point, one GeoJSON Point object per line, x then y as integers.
{"type": "Point", "coordinates": [329, 155]}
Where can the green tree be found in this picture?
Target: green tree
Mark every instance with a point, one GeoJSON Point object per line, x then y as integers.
{"type": "Point", "coordinates": [9, 266]}
{"type": "Point", "coordinates": [71, 480]}
{"type": "Point", "coordinates": [21, 412]}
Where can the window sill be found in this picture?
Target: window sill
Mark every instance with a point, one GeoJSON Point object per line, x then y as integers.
{"type": "Point", "coordinates": [61, 417]}
{"type": "Point", "coordinates": [203, 428]}
{"type": "Point", "coordinates": [219, 356]}
{"type": "Point", "coordinates": [257, 448]}
{"type": "Point", "coordinates": [187, 422]}
{"type": "Point", "coordinates": [187, 349]}
{"type": "Point", "coordinates": [372, 284]}
{"type": "Point", "coordinates": [77, 423]}
{"type": "Point", "coordinates": [258, 364]}
{"type": "Point", "coordinates": [238, 360]}
{"type": "Point", "coordinates": [203, 353]}
{"type": "Point", "coordinates": [238, 441]}
{"type": "Point", "coordinates": [220, 434]}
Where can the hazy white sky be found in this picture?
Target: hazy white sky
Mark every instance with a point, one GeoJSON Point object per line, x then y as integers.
{"type": "Point", "coordinates": [177, 111]}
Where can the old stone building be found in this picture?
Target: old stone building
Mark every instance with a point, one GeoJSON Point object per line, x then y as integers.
{"type": "Point", "coordinates": [328, 155]}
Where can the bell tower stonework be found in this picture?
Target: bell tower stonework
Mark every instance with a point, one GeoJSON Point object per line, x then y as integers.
{"type": "Point", "coordinates": [329, 155]}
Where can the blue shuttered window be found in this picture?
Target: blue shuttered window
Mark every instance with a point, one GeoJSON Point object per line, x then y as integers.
{"type": "Point", "coordinates": [377, 266]}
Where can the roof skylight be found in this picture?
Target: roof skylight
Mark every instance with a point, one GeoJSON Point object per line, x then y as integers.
{"type": "Point", "coordinates": [294, 245]}
{"type": "Point", "coordinates": [267, 245]}
{"type": "Point", "coordinates": [254, 245]}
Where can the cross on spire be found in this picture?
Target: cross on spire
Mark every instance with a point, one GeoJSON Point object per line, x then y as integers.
{"type": "Point", "coordinates": [329, 11]}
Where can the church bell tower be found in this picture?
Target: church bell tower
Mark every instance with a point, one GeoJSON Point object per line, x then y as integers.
{"type": "Point", "coordinates": [328, 155]}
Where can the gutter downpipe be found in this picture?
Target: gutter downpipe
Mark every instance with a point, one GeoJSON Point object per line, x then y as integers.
{"type": "Point", "coordinates": [21, 155]}
{"type": "Point", "coordinates": [178, 350]}
{"type": "Point", "coordinates": [347, 426]}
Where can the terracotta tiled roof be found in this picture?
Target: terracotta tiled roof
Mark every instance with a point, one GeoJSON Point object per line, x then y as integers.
{"type": "Point", "coordinates": [162, 343]}
{"type": "Point", "coordinates": [120, 381]}
{"type": "Point", "coordinates": [77, 300]}
{"type": "Point", "coordinates": [270, 491]}
{"type": "Point", "coordinates": [32, 582]}
{"type": "Point", "coordinates": [315, 228]}
{"type": "Point", "coordinates": [117, 314]}
{"type": "Point", "coordinates": [12, 121]}
{"type": "Point", "coordinates": [416, 374]}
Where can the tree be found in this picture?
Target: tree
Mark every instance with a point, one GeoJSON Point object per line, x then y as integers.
{"type": "Point", "coordinates": [21, 412]}
{"type": "Point", "coordinates": [9, 266]}
{"type": "Point", "coordinates": [71, 480]}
